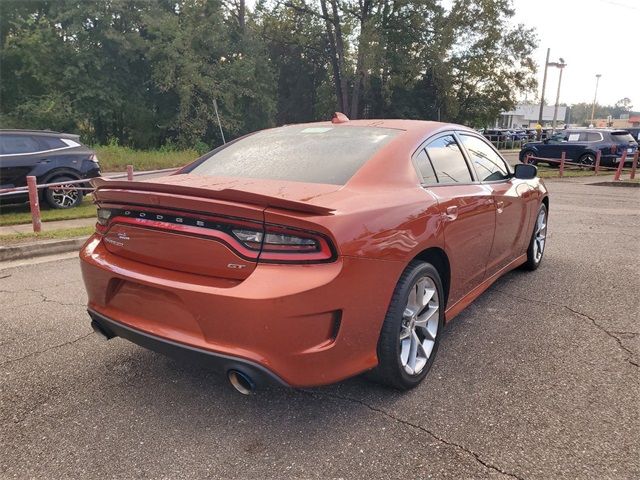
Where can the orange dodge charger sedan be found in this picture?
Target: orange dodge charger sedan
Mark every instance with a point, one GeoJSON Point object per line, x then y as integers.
{"type": "Point", "coordinates": [307, 254]}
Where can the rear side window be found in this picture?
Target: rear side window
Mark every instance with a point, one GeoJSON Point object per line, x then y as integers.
{"type": "Point", "coordinates": [487, 163]}
{"type": "Point", "coordinates": [314, 154]}
{"type": "Point", "coordinates": [50, 143]}
{"type": "Point", "coordinates": [14, 144]}
{"type": "Point", "coordinates": [447, 160]}
{"type": "Point", "coordinates": [593, 137]}
{"type": "Point", "coordinates": [622, 137]}
{"type": "Point", "coordinates": [425, 167]}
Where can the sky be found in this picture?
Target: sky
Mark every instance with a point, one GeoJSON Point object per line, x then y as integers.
{"type": "Point", "coordinates": [592, 36]}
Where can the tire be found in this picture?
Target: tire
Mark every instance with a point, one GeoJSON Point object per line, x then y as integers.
{"type": "Point", "coordinates": [588, 160]}
{"type": "Point", "coordinates": [538, 242]}
{"type": "Point", "coordinates": [62, 198]}
{"type": "Point", "coordinates": [524, 156]}
{"type": "Point", "coordinates": [395, 365]}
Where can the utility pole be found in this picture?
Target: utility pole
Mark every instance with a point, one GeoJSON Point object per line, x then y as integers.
{"type": "Point", "coordinates": [561, 66]}
{"type": "Point", "coordinates": [544, 84]}
{"type": "Point", "coordinates": [595, 95]}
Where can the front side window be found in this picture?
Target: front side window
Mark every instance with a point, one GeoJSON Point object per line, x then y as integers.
{"type": "Point", "coordinates": [314, 154]}
{"type": "Point", "coordinates": [447, 160]}
{"type": "Point", "coordinates": [15, 144]}
{"type": "Point", "coordinates": [487, 163]}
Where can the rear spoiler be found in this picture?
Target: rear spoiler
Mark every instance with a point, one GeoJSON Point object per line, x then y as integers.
{"type": "Point", "coordinates": [228, 194]}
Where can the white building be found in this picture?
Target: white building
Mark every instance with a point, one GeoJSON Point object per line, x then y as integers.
{"type": "Point", "coordinates": [526, 116]}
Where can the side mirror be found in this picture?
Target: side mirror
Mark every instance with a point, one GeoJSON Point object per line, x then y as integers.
{"type": "Point", "coordinates": [525, 171]}
{"type": "Point", "coordinates": [546, 140]}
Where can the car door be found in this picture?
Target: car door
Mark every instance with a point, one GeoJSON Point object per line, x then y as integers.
{"type": "Point", "coordinates": [466, 208]}
{"type": "Point", "coordinates": [554, 146]}
{"type": "Point", "coordinates": [511, 199]}
{"type": "Point", "coordinates": [16, 159]}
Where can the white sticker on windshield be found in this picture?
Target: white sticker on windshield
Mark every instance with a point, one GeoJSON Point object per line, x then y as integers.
{"type": "Point", "coordinates": [573, 137]}
{"type": "Point", "coordinates": [316, 129]}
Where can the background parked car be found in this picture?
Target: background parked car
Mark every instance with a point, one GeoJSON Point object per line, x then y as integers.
{"type": "Point", "coordinates": [582, 145]}
{"type": "Point", "coordinates": [518, 135]}
{"type": "Point", "coordinates": [50, 157]}
{"type": "Point", "coordinates": [495, 135]}
{"type": "Point", "coordinates": [635, 133]}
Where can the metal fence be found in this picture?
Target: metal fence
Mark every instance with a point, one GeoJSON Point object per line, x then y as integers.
{"type": "Point", "coordinates": [503, 142]}
{"type": "Point", "coordinates": [597, 168]}
{"type": "Point", "coordinates": [34, 200]}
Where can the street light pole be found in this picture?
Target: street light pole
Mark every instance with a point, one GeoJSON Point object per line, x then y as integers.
{"type": "Point", "coordinates": [544, 84]}
{"type": "Point", "coordinates": [561, 66]}
{"type": "Point", "coordinates": [595, 95]}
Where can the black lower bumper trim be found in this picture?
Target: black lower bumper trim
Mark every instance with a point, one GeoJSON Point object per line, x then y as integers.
{"type": "Point", "coordinates": [110, 328]}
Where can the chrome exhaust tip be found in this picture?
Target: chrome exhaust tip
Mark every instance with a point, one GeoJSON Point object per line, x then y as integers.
{"type": "Point", "coordinates": [241, 382]}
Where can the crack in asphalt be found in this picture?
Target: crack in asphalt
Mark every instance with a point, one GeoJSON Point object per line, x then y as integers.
{"type": "Point", "coordinates": [45, 298]}
{"type": "Point", "coordinates": [53, 347]}
{"type": "Point", "coordinates": [407, 423]}
{"type": "Point", "coordinates": [610, 333]}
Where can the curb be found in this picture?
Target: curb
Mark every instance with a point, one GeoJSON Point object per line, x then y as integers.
{"type": "Point", "coordinates": [617, 184]}
{"type": "Point", "coordinates": [41, 248]}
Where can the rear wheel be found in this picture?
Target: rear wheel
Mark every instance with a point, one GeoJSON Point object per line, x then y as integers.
{"type": "Point", "coordinates": [62, 196]}
{"type": "Point", "coordinates": [527, 153]}
{"type": "Point", "coordinates": [410, 333]}
{"type": "Point", "coordinates": [588, 160]}
{"type": "Point", "coordinates": [538, 240]}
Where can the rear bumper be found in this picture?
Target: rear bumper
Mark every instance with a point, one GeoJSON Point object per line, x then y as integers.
{"type": "Point", "coordinates": [305, 325]}
{"type": "Point", "coordinates": [110, 328]}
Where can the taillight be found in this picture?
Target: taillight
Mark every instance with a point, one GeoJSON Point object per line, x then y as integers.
{"type": "Point", "coordinates": [104, 215]}
{"type": "Point", "coordinates": [283, 245]}
{"type": "Point", "coordinates": [274, 244]}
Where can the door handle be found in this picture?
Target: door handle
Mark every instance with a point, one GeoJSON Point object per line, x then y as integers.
{"type": "Point", "coordinates": [452, 213]}
{"type": "Point", "coordinates": [499, 206]}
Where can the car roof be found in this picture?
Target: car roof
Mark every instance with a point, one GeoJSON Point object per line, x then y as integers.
{"type": "Point", "coordinates": [587, 129]}
{"type": "Point", "coordinates": [420, 127]}
{"type": "Point", "coordinates": [44, 133]}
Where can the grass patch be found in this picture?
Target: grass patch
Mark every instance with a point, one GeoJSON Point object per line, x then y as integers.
{"type": "Point", "coordinates": [547, 172]}
{"type": "Point", "coordinates": [114, 158]}
{"type": "Point", "coordinates": [51, 235]}
{"type": "Point", "coordinates": [20, 214]}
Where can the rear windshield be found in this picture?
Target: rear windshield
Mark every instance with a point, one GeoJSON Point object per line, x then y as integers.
{"type": "Point", "coordinates": [622, 137]}
{"type": "Point", "coordinates": [320, 154]}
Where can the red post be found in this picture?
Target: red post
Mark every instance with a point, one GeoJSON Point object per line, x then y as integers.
{"type": "Point", "coordinates": [562, 157]}
{"type": "Point", "coordinates": [527, 158]}
{"type": "Point", "coordinates": [634, 165]}
{"type": "Point", "coordinates": [597, 167]}
{"type": "Point", "coordinates": [34, 204]}
{"type": "Point", "coordinates": [620, 166]}
{"type": "Point", "coordinates": [130, 172]}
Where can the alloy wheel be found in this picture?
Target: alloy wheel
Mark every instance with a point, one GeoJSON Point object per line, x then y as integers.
{"type": "Point", "coordinates": [587, 160]}
{"type": "Point", "coordinates": [65, 195]}
{"type": "Point", "coordinates": [419, 327]}
{"type": "Point", "coordinates": [540, 235]}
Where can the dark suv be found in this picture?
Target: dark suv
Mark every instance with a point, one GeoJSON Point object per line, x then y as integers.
{"type": "Point", "coordinates": [582, 145]}
{"type": "Point", "coordinates": [50, 157]}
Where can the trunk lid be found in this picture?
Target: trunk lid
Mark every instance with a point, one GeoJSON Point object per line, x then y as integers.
{"type": "Point", "coordinates": [191, 223]}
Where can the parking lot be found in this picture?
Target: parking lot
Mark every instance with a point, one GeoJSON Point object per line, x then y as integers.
{"type": "Point", "coordinates": [539, 378]}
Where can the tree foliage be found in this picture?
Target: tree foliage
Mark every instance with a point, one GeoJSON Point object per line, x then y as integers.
{"type": "Point", "coordinates": [146, 72]}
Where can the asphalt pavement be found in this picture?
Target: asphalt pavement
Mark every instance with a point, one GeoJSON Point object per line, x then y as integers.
{"type": "Point", "coordinates": [538, 379]}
